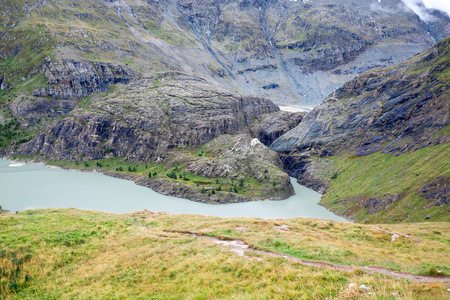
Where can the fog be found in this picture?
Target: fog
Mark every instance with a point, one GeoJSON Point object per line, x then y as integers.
{"type": "Point", "coordinates": [418, 6]}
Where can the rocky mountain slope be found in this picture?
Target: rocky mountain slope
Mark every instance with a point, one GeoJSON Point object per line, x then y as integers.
{"type": "Point", "coordinates": [185, 125]}
{"type": "Point", "coordinates": [385, 137]}
{"type": "Point", "coordinates": [294, 52]}
{"type": "Point", "coordinates": [145, 80]}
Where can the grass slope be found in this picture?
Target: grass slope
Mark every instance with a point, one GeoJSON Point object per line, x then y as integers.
{"type": "Point", "coordinates": [72, 254]}
{"type": "Point", "coordinates": [353, 180]}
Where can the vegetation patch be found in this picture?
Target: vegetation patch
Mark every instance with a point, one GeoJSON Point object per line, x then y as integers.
{"type": "Point", "coordinates": [70, 253]}
{"type": "Point", "coordinates": [356, 182]}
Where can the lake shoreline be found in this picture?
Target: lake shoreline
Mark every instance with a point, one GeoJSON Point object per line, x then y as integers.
{"type": "Point", "coordinates": [157, 185]}
{"type": "Point", "coordinates": [47, 187]}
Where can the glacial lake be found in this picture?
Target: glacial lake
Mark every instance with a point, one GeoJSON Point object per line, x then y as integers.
{"type": "Point", "coordinates": [33, 186]}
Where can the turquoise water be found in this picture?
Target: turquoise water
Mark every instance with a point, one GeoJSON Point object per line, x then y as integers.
{"type": "Point", "coordinates": [31, 186]}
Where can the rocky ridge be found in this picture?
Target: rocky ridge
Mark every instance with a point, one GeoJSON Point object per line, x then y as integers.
{"type": "Point", "coordinates": [154, 119]}
{"type": "Point", "coordinates": [290, 51]}
{"type": "Point", "coordinates": [89, 69]}
{"type": "Point", "coordinates": [148, 118]}
{"type": "Point", "coordinates": [396, 111]}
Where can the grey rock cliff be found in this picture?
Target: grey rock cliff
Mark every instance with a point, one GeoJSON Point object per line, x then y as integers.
{"type": "Point", "coordinates": [78, 79]}
{"type": "Point", "coordinates": [397, 109]}
{"type": "Point", "coordinates": [147, 119]}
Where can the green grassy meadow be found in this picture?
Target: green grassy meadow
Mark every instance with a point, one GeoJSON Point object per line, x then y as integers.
{"type": "Point", "coordinates": [73, 254]}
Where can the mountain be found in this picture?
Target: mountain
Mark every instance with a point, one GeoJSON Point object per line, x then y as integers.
{"type": "Point", "coordinates": [379, 145]}
{"type": "Point", "coordinates": [155, 85]}
{"type": "Point", "coordinates": [197, 141]}
{"type": "Point", "coordinates": [294, 52]}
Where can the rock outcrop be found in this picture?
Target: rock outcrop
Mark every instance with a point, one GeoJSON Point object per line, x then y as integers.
{"type": "Point", "coordinates": [71, 79]}
{"type": "Point", "coordinates": [245, 170]}
{"type": "Point", "coordinates": [289, 51]}
{"type": "Point", "coordinates": [267, 128]}
{"type": "Point", "coordinates": [164, 120]}
{"type": "Point", "coordinates": [147, 119]}
{"type": "Point", "coordinates": [395, 111]}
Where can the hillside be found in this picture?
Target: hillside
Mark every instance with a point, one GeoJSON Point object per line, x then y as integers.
{"type": "Point", "coordinates": [62, 254]}
{"type": "Point", "coordinates": [294, 52]}
{"type": "Point", "coordinates": [179, 135]}
{"type": "Point", "coordinates": [379, 145]}
{"type": "Point", "coordinates": [175, 95]}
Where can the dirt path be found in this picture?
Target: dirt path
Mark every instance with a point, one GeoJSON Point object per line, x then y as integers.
{"type": "Point", "coordinates": [240, 248]}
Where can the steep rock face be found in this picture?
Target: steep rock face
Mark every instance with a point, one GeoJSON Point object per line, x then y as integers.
{"type": "Point", "coordinates": [267, 128]}
{"type": "Point", "coordinates": [65, 83]}
{"type": "Point", "coordinates": [398, 109]}
{"type": "Point", "coordinates": [395, 111]}
{"type": "Point", "coordinates": [289, 51]}
{"type": "Point", "coordinates": [283, 49]}
{"type": "Point", "coordinates": [78, 79]}
{"type": "Point", "coordinates": [147, 119]}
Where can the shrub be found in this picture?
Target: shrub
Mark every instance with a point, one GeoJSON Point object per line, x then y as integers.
{"type": "Point", "coordinates": [172, 175]}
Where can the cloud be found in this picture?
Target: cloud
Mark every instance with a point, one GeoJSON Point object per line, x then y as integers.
{"type": "Point", "coordinates": [420, 7]}
{"type": "Point", "coordinates": [443, 5]}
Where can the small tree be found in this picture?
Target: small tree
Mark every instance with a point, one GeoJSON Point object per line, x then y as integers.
{"type": "Point", "coordinates": [203, 190]}
{"type": "Point", "coordinates": [150, 175]}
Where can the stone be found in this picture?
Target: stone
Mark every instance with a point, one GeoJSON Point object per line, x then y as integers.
{"type": "Point", "coordinates": [394, 237]}
{"type": "Point", "coordinates": [363, 287]}
{"type": "Point", "coordinates": [352, 285]}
